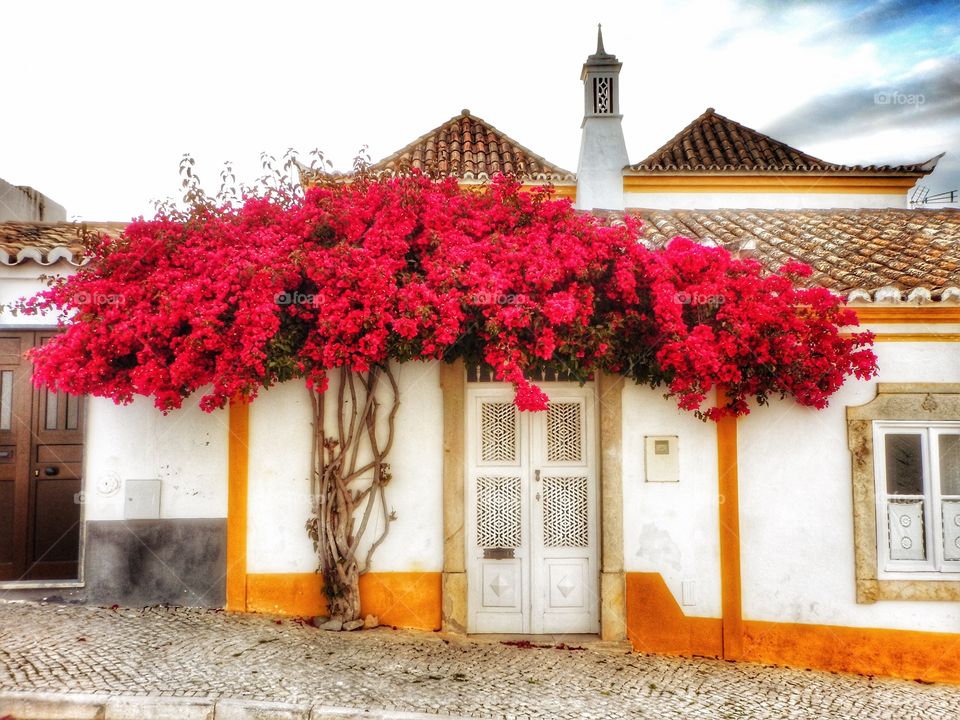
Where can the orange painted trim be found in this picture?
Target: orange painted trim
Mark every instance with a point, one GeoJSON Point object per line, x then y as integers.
{"type": "Point", "coordinates": [916, 337]}
{"type": "Point", "coordinates": [401, 599]}
{"type": "Point", "coordinates": [729, 509]}
{"type": "Point", "coordinates": [656, 624]}
{"type": "Point", "coordinates": [238, 459]}
{"type": "Point", "coordinates": [566, 191]}
{"type": "Point", "coordinates": [297, 594]}
{"type": "Point", "coordinates": [932, 657]}
{"type": "Point", "coordinates": [560, 191]}
{"type": "Point", "coordinates": [924, 314]}
{"type": "Point", "coordinates": [771, 183]}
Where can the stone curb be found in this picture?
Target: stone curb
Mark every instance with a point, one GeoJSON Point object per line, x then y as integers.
{"type": "Point", "coordinates": [64, 706]}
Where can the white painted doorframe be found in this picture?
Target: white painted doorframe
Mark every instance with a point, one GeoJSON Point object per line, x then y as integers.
{"type": "Point", "coordinates": [532, 530]}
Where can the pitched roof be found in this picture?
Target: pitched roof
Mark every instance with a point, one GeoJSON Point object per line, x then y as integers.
{"type": "Point", "coordinates": [904, 254]}
{"type": "Point", "coordinates": [46, 243]}
{"type": "Point", "coordinates": [468, 148]}
{"type": "Point", "coordinates": [713, 142]}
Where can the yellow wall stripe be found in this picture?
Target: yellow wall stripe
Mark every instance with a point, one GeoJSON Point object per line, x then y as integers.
{"type": "Point", "coordinates": [237, 476]}
{"type": "Point", "coordinates": [729, 508]}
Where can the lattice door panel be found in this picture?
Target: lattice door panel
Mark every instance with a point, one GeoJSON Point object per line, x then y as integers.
{"type": "Point", "coordinates": [565, 432]}
{"type": "Point", "coordinates": [499, 436]}
{"type": "Point", "coordinates": [499, 507]}
{"type": "Point", "coordinates": [565, 512]}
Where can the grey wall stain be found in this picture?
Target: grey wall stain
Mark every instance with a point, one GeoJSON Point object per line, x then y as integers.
{"type": "Point", "coordinates": [658, 547]}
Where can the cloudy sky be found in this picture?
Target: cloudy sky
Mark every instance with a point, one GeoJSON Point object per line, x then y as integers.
{"type": "Point", "coordinates": [99, 101]}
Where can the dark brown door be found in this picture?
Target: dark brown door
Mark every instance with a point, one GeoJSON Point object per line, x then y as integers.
{"type": "Point", "coordinates": [41, 449]}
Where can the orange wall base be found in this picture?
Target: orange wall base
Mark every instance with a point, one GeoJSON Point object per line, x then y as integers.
{"type": "Point", "coordinates": [401, 599]}
{"type": "Point", "coordinates": [867, 651]}
{"type": "Point", "coordinates": [656, 624]}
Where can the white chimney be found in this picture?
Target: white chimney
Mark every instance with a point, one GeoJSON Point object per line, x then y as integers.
{"type": "Point", "coordinates": [603, 151]}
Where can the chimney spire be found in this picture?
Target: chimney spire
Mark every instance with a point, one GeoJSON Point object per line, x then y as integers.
{"type": "Point", "coordinates": [603, 152]}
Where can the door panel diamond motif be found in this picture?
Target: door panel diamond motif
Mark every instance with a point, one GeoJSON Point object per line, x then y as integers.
{"type": "Point", "coordinates": [565, 516]}
{"type": "Point", "coordinates": [498, 432]}
{"type": "Point", "coordinates": [498, 512]}
{"type": "Point", "coordinates": [500, 584]}
{"type": "Point", "coordinates": [565, 432]}
{"type": "Point", "coordinates": [567, 579]}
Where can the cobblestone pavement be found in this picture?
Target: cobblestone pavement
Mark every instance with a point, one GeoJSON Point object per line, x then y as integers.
{"type": "Point", "coordinates": [211, 654]}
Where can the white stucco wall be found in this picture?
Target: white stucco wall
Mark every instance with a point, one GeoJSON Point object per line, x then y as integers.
{"type": "Point", "coordinates": [185, 449]}
{"type": "Point", "coordinates": [603, 155]}
{"type": "Point", "coordinates": [22, 281]}
{"type": "Point", "coordinates": [279, 487]}
{"type": "Point", "coordinates": [770, 201]}
{"type": "Point", "coordinates": [672, 528]}
{"type": "Point", "coordinates": [796, 508]}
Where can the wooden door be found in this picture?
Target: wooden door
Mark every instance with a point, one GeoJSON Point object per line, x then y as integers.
{"type": "Point", "coordinates": [41, 450]}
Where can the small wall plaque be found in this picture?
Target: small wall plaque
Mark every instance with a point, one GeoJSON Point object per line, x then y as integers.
{"type": "Point", "coordinates": [661, 458]}
{"type": "Point", "coordinates": [142, 500]}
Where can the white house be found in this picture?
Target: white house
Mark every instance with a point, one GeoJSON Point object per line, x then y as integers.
{"type": "Point", "coordinates": [826, 539]}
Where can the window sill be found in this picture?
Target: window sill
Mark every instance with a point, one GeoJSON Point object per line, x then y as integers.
{"type": "Point", "coordinates": [932, 587]}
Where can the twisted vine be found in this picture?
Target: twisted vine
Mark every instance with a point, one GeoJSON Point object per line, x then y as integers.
{"type": "Point", "coordinates": [350, 473]}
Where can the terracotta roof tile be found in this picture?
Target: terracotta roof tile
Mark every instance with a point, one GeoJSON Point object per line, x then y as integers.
{"type": "Point", "coordinates": [848, 249]}
{"type": "Point", "coordinates": [46, 243]}
{"type": "Point", "coordinates": [852, 251]}
{"type": "Point", "coordinates": [468, 148]}
{"type": "Point", "coordinates": [714, 143]}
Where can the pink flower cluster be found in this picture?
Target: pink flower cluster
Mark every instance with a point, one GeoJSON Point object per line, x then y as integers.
{"type": "Point", "coordinates": [232, 299]}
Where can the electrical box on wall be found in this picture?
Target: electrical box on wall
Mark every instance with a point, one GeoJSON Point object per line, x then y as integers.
{"type": "Point", "coordinates": [142, 500]}
{"type": "Point", "coordinates": [662, 458]}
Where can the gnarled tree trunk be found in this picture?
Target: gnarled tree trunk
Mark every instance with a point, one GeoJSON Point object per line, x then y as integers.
{"type": "Point", "coordinates": [350, 473]}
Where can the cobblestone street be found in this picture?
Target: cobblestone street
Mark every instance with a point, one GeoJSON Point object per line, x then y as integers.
{"type": "Point", "coordinates": [209, 654]}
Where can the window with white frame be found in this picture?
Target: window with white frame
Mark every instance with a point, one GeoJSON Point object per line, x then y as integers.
{"type": "Point", "coordinates": [918, 496]}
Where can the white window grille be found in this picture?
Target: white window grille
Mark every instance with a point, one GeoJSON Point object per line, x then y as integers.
{"type": "Point", "coordinates": [918, 497]}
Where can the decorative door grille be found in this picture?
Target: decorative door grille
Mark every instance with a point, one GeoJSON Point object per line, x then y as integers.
{"type": "Point", "coordinates": [565, 432]}
{"type": "Point", "coordinates": [498, 432]}
{"type": "Point", "coordinates": [565, 520]}
{"type": "Point", "coordinates": [499, 512]}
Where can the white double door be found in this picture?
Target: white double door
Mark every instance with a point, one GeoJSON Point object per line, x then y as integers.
{"type": "Point", "coordinates": [531, 535]}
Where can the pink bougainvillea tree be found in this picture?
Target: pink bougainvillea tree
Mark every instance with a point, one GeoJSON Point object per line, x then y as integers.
{"type": "Point", "coordinates": [334, 284]}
